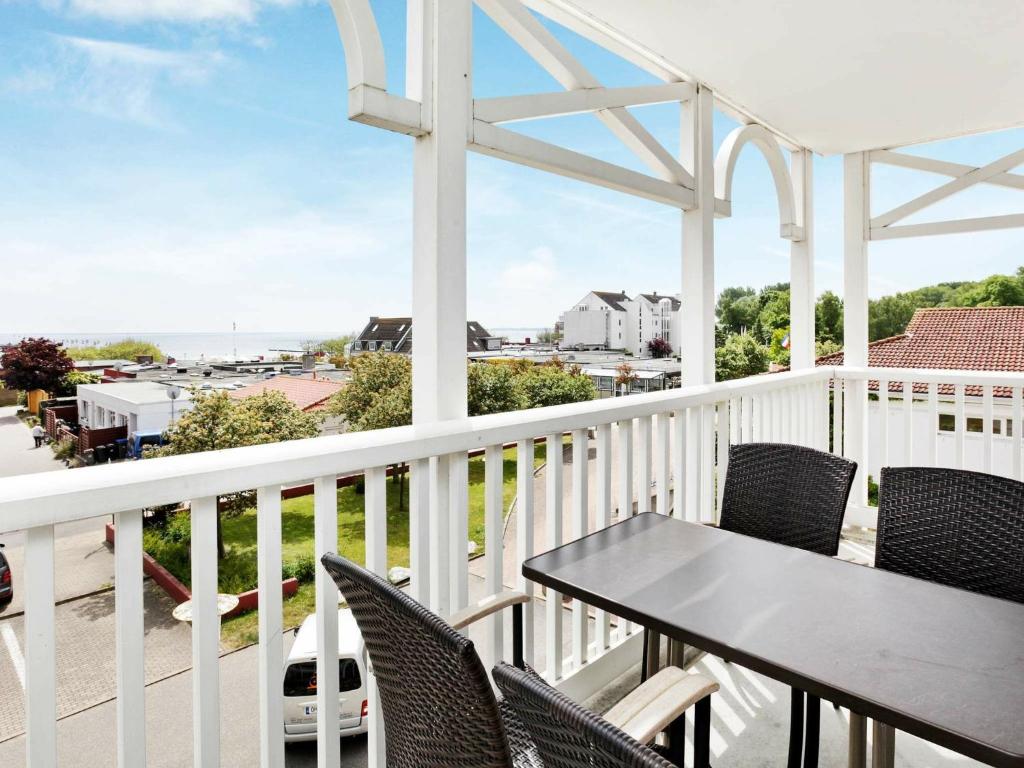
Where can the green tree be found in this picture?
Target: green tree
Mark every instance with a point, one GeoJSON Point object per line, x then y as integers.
{"type": "Point", "coordinates": [995, 291]}
{"type": "Point", "coordinates": [69, 384]}
{"type": "Point", "coordinates": [217, 421]}
{"type": "Point", "coordinates": [35, 364]}
{"type": "Point", "coordinates": [828, 318]}
{"type": "Point", "coordinates": [545, 385]}
{"type": "Point", "coordinates": [823, 348]}
{"type": "Point", "coordinates": [379, 394]}
{"type": "Point", "coordinates": [335, 347]}
{"type": "Point", "coordinates": [740, 356]}
{"type": "Point", "coordinates": [125, 349]}
{"type": "Point", "coordinates": [492, 389]}
{"type": "Point", "coordinates": [737, 309]}
{"type": "Point", "coordinates": [774, 312]}
{"type": "Point", "coordinates": [777, 351]}
{"type": "Point", "coordinates": [889, 315]}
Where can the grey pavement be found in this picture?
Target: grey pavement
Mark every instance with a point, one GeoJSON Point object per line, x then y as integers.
{"type": "Point", "coordinates": [18, 454]}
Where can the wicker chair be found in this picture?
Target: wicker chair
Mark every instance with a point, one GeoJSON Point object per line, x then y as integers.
{"type": "Point", "coordinates": [567, 735]}
{"type": "Point", "coordinates": [954, 527]}
{"type": "Point", "coordinates": [795, 496]}
{"type": "Point", "coordinates": [438, 705]}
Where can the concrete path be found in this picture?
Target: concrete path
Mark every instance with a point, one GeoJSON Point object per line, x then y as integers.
{"type": "Point", "coordinates": [18, 454]}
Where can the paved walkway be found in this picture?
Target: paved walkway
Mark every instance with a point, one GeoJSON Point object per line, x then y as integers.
{"type": "Point", "coordinates": [18, 454]}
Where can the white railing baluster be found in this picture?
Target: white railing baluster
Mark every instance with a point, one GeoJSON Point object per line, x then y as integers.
{"type": "Point", "coordinates": [603, 516]}
{"type": "Point", "coordinates": [1018, 433]}
{"type": "Point", "coordinates": [986, 427]}
{"type": "Point", "coordinates": [580, 514]}
{"type": "Point", "coordinates": [908, 423]}
{"type": "Point", "coordinates": [377, 561]}
{"type": "Point", "coordinates": [325, 539]}
{"type": "Point", "coordinates": [625, 468]}
{"type": "Point", "coordinates": [459, 530]}
{"type": "Point", "coordinates": [679, 491]}
{"type": "Point", "coordinates": [129, 612]}
{"type": "Point", "coordinates": [662, 460]}
{"type": "Point", "coordinates": [40, 650]}
{"type": "Point", "coordinates": [525, 537]}
{"type": "Point", "coordinates": [735, 421]}
{"type": "Point", "coordinates": [883, 422]}
{"type": "Point", "coordinates": [774, 429]}
{"type": "Point", "coordinates": [691, 469]}
{"type": "Point", "coordinates": [722, 443]}
{"type": "Point", "coordinates": [440, 544]}
{"type": "Point", "coordinates": [643, 459]}
{"type": "Point", "coordinates": [271, 645]}
{"type": "Point", "coordinates": [933, 423]}
{"type": "Point", "coordinates": [419, 530]}
{"type": "Point", "coordinates": [837, 416]}
{"type": "Point", "coordinates": [707, 463]}
{"type": "Point", "coordinates": [961, 427]}
{"type": "Point", "coordinates": [205, 635]}
{"type": "Point", "coordinates": [494, 518]}
{"type": "Point", "coordinates": [553, 512]}
{"type": "Point", "coordinates": [747, 434]}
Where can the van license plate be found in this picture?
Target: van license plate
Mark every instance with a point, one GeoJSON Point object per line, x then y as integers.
{"type": "Point", "coordinates": [309, 710]}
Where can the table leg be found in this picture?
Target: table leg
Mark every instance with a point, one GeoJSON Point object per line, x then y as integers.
{"type": "Point", "coordinates": [652, 653]}
{"type": "Point", "coordinates": [883, 748]}
{"type": "Point", "coordinates": [796, 727]}
{"type": "Point", "coordinates": [702, 734]}
{"type": "Point", "coordinates": [858, 741]}
{"type": "Point", "coordinates": [813, 732]}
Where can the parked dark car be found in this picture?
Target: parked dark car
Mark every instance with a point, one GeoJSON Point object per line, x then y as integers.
{"type": "Point", "coordinates": [6, 580]}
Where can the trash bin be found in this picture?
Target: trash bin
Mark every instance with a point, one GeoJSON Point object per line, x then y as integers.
{"type": "Point", "coordinates": [100, 454]}
{"type": "Point", "coordinates": [122, 448]}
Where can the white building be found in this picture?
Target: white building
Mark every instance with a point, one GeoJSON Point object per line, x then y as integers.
{"type": "Point", "coordinates": [141, 406]}
{"type": "Point", "coordinates": [606, 320]}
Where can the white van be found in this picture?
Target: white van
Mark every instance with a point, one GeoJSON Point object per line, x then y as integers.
{"type": "Point", "coordinates": [300, 681]}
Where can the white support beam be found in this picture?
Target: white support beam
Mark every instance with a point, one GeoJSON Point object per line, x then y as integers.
{"type": "Point", "coordinates": [698, 270]}
{"type": "Point", "coordinates": [956, 226]}
{"type": "Point", "coordinates": [364, 51]}
{"type": "Point", "coordinates": [534, 38]}
{"type": "Point", "coordinates": [943, 168]}
{"type": "Point", "coordinates": [508, 145]}
{"type": "Point", "coordinates": [372, 106]}
{"type": "Point", "coordinates": [507, 109]}
{"type": "Point", "coordinates": [439, 215]}
{"type": "Point", "coordinates": [801, 264]}
{"type": "Point", "coordinates": [856, 205]}
{"type": "Point", "coordinates": [960, 183]}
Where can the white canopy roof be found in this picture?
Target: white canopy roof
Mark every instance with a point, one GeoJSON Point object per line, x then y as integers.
{"type": "Point", "coordinates": [831, 75]}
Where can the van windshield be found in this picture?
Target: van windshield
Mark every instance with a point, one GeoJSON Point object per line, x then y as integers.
{"type": "Point", "coordinates": [300, 678]}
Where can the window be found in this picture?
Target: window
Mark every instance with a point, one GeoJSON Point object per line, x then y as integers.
{"type": "Point", "coordinates": [947, 422]}
{"type": "Point", "coordinates": [975, 425]}
{"type": "Point", "coordinates": [386, 346]}
{"type": "Point", "coordinates": [373, 346]}
{"type": "Point", "coordinates": [1009, 427]}
{"type": "Point", "coordinates": [300, 678]}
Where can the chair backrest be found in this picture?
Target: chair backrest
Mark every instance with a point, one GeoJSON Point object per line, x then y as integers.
{"type": "Point", "coordinates": [565, 734]}
{"type": "Point", "coordinates": [438, 705]}
{"type": "Point", "coordinates": [788, 494]}
{"type": "Point", "coordinates": [959, 528]}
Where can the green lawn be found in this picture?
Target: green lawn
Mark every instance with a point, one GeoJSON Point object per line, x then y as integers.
{"type": "Point", "coordinates": [297, 537]}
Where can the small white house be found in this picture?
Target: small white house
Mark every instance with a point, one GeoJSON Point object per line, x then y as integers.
{"type": "Point", "coordinates": [142, 406]}
{"type": "Point", "coordinates": [606, 320]}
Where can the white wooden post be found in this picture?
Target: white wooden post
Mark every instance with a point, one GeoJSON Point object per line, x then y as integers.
{"type": "Point", "coordinates": [698, 291]}
{"type": "Point", "coordinates": [438, 75]}
{"type": "Point", "coordinates": [856, 205]}
{"type": "Point", "coordinates": [801, 264]}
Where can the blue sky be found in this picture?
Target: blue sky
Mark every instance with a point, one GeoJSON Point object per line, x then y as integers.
{"type": "Point", "coordinates": [174, 165]}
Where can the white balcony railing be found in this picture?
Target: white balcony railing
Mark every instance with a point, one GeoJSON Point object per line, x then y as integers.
{"type": "Point", "coordinates": [663, 451]}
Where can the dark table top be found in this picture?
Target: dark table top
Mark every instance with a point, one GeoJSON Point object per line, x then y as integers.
{"type": "Point", "coordinates": [941, 663]}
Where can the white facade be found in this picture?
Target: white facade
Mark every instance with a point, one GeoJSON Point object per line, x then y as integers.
{"type": "Point", "coordinates": [140, 406]}
{"type": "Point", "coordinates": [596, 322]}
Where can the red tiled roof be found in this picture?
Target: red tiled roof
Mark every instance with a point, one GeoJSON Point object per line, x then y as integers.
{"type": "Point", "coordinates": [963, 338]}
{"type": "Point", "coordinates": [305, 394]}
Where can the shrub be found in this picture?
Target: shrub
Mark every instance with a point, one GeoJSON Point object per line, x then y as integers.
{"type": "Point", "coordinates": [65, 450]}
{"type": "Point", "coordinates": [302, 568]}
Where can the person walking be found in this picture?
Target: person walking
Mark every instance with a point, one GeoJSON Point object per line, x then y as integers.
{"type": "Point", "coordinates": [37, 434]}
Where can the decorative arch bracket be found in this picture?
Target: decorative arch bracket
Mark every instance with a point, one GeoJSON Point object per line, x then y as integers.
{"type": "Point", "coordinates": [768, 145]}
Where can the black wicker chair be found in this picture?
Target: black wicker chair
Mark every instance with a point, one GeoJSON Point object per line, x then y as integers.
{"type": "Point", "coordinates": [954, 527]}
{"type": "Point", "coordinates": [567, 735]}
{"type": "Point", "coordinates": [439, 708]}
{"type": "Point", "coordinates": [795, 496]}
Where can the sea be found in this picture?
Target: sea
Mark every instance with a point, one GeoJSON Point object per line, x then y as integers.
{"type": "Point", "coordinates": [225, 345]}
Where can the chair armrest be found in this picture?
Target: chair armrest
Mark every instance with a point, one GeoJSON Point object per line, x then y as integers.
{"type": "Point", "coordinates": [649, 709]}
{"type": "Point", "coordinates": [487, 606]}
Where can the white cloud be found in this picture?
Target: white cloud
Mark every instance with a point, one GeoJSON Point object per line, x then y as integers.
{"type": "Point", "coordinates": [114, 79]}
{"type": "Point", "coordinates": [182, 11]}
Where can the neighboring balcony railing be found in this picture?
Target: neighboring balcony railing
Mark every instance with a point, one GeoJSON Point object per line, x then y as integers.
{"type": "Point", "coordinates": [662, 451]}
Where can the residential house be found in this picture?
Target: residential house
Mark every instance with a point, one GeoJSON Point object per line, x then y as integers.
{"type": "Point", "coordinates": [307, 393]}
{"type": "Point", "coordinates": [606, 320]}
{"type": "Point", "coordinates": [394, 334]}
{"type": "Point", "coordinates": [972, 339]}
